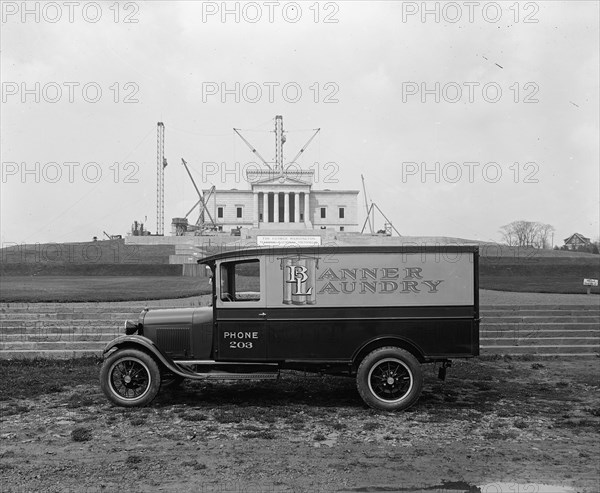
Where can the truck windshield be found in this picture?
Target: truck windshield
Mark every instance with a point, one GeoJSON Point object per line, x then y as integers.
{"type": "Point", "coordinates": [240, 281]}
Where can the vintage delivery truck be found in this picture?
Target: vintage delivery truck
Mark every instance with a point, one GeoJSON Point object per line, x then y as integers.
{"type": "Point", "coordinates": [375, 313]}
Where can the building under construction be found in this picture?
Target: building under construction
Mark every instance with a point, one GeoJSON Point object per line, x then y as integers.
{"type": "Point", "coordinates": [281, 197]}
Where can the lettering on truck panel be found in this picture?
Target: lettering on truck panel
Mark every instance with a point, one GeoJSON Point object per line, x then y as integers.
{"type": "Point", "coordinates": [240, 335]}
{"type": "Point", "coordinates": [240, 339]}
{"type": "Point", "coordinates": [307, 279]}
{"type": "Point", "coordinates": [377, 281]}
{"type": "Point", "coordinates": [299, 274]}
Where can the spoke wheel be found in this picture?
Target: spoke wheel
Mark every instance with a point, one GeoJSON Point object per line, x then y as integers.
{"type": "Point", "coordinates": [389, 379]}
{"type": "Point", "coordinates": [130, 378]}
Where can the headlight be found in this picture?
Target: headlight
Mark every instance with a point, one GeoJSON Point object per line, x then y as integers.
{"type": "Point", "coordinates": [131, 327]}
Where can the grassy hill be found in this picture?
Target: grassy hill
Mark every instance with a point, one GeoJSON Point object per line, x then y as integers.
{"type": "Point", "coordinates": [504, 268]}
{"type": "Point", "coordinates": [93, 258]}
{"type": "Point", "coordinates": [541, 275]}
{"type": "Point", "coordinates": [90, 252]}
{"type": "Point", "coordinates": [74, 271]}
{"type": "Point", "coordinates": [15, 289]}
{"type": "Point", "coordinates": [89, 270]}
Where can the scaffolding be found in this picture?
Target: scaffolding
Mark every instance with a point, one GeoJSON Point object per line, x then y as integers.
{"type": "Point", "coordinates": [161, 163]}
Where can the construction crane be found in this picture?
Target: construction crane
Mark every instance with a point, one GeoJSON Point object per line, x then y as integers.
{"type": "Point", "coordinates": [202, 200]}
{"type": "Point", "coordinates": [317, 130]}
{"type": "Point", "coordinates": [252, 148]}
{"type": "Point", "coordinates": [112, 237]}
{"type": "Point", "coordinates": [280, 139]}
{"type": "Point", "coordinates": [161, 164]}
{"type": "Point", "coordinates": [388, 226]}
{"type": "Point", "coordinates": [366, 205]}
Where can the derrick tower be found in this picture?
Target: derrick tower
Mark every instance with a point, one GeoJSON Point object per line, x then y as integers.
{"type": "Point", "coordinates": [161, 163]}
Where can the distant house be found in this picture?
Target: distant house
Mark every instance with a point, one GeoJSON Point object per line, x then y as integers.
{"type": "Point", "coordinates": [576, 241]}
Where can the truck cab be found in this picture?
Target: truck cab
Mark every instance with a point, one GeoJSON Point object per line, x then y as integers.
{"type": "Point", "coordinates": [374, 313]}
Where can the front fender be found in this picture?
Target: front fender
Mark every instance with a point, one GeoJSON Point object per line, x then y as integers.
{"type": "Point", "coordinates": [135, 341]}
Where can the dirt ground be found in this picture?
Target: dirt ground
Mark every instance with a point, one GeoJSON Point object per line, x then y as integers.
{"type": "Point", "coordinates": [493, 426]}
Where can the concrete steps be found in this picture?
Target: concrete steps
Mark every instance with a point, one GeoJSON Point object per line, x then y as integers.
{"type": "Point", "coordinates": [7, 340]}
{"type": "Point", "coordinates": [69, 330]}
{"type": "Point", "coordinates": [32, 317]}
{"type": "Point", "coordinates": [96, 346]}
{"type": "Point", "coordinates": [60, 330]}
{"type": "Point", "coordinates": [42, 324]}
{"type": "Point", "coordinates": [540, 309]}
{"type": "Point", "coordinates": [55, 330]}
{"type": "Point", "coordinates": [546, 330]}
{"type": "Point", "coordinates": [542, 319]}
{"type": "Point", "coordinates": [543, 342]}
{"type": "Point", "coordinates": [493, 330]}
{"type": "Point", "coordinates": [16, 354]}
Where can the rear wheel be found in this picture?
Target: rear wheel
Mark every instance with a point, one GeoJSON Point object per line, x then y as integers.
{"type": "Point", "coordinates": [129, 378]}
{"type": "Point", "coordinates": [389, 379]}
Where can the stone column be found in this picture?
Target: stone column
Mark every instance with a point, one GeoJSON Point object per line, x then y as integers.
{"type": "Point", "coordinates": [266, 207]}
{"type": "Point", "coordinates": [286, 207]}
{"type": "Point", "coordinates": [296, 207]}
{"type": "Point", "coordinates": [255, 213]}
{"type": "Point", "coordinates": [306, 207]}
{"type": "Point", "coordinates": [276, 207]}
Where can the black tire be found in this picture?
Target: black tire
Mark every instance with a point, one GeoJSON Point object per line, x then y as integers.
{"type": "Point", "coordinates": [130, 378]}
{"type": "Point", "coordinates": [389, 379]}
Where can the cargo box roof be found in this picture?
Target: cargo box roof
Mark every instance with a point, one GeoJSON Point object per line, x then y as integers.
{"type": "Point", "coordinates": [336, 250]}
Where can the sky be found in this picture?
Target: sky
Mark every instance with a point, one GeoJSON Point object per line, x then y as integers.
{"type": "Point", "coordinates": [462, 118]}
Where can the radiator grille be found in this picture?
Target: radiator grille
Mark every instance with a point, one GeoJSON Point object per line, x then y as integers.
{"type": "Point", "coordinates": [174, 341]}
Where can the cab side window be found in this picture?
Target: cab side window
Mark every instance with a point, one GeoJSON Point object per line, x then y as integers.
{"type": "Point", "coordinates": [240, 281]}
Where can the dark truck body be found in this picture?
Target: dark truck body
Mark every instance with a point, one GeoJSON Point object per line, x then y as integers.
{"type": "Point", "coordinates": [322, 309]}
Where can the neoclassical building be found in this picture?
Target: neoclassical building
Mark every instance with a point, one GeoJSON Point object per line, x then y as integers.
{"type": "Point", "coordinates": [280, 200]}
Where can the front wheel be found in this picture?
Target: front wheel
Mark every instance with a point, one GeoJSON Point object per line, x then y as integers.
{"type": "Point", "coordinates": [389, 379]}
{"type": "Point", "coordinates": [129, 378]}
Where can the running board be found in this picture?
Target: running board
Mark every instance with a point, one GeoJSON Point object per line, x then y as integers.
{"type": "Point", "coordinates": [216, 370]}
{"type": "Point", "coordinates": [233, 376]}
{"type": "Point", "coordinates": [188, 362]}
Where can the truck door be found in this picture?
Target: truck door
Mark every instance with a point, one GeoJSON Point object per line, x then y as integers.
{"type": "Point", "coordinates": [241, 311]}
{"type": "Point", "coordinates": [298, 327]}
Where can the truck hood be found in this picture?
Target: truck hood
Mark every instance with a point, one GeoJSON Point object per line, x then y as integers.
{"type": "Point", "coordinates": [176, 316]}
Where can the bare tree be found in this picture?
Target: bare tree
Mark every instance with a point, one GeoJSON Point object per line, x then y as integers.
{"type": "Point", "coordinates": [508, 235]}
{"type": "Point", "coordinates": [527, 234]}
{"type": "Point", "coordinates": [544, 236]}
